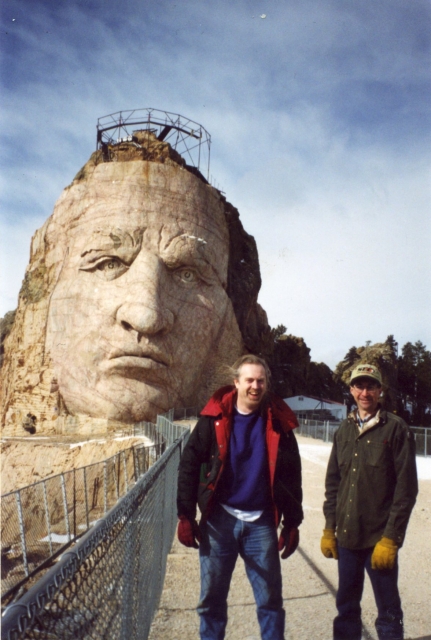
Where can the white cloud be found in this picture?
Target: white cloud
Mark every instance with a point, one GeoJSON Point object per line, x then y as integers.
{"type": "Point", "coordinates": [318, 121]}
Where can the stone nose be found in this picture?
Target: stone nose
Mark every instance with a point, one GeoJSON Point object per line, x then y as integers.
{"type": "Point", "coordinates": [145, 318]}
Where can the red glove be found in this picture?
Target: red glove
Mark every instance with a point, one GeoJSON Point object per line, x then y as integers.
{"type": "Point", "coordinates": [188, 532]}
{"type": "Point", "coordinates": [288, 540]}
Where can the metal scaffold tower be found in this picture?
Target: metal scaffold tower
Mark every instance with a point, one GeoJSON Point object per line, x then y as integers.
{"type": "Point", "coordinates": [187, 137]}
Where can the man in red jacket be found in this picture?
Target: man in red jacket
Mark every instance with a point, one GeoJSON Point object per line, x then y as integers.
{"type": "Point", "coordinates": [242, 467]}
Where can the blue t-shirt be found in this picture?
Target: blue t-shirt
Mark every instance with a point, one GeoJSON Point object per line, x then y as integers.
{"type": "Point", "coordinates": [245, 480]}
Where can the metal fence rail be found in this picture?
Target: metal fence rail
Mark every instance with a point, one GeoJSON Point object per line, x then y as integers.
{"type": "Point", "coordinates": [317, 429]}
{"type": "Point", "coordinates": [40, 520]}
{"type": "Point", "coordinates": [423, 440]}
{"type": "Point", "coordinates": [110, 584]}
{"type": "Point", "coordinates": [325, 431]}
{"type": "Point", "coordinates": [186, 413]}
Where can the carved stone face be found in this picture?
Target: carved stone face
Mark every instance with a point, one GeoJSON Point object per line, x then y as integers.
{"type": "Point", "coordinates": [140, 304]}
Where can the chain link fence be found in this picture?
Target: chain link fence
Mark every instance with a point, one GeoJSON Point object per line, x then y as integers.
{"type": "Point", "coordinates": [325, 431]}
{"type": "Point", "coordinates": [39, 521]}
{"type": "Point", "coordinates": [109, 584]}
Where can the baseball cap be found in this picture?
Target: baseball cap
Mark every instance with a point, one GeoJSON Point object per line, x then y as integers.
{"type": "Point", "coordinates": [366, 371]}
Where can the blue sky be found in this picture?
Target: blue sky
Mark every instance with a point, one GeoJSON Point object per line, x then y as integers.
{"type": "Point", "coordinates": [319, 113]}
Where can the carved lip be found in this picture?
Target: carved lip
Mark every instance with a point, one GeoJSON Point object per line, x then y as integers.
{"type": "Point", "coordinates": [136, 356]}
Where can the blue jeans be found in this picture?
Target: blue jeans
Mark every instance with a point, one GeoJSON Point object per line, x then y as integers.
{"type": "Point", "coordinates": [224, 537]}
{"type": "Point", "coordinates": [351, 572]}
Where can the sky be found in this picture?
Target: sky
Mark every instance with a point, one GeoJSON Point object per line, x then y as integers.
{"type": "Point", "coordinates": [319, 115]}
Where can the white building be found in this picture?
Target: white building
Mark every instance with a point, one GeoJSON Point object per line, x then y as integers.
{"type": "Point", "coordinates": [315, 408]}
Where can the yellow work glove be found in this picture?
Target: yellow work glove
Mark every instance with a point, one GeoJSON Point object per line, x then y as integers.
{"type": "Point", "coordinates": [384, 554]}
{"type": "Point", "coordinates": [328, 544]}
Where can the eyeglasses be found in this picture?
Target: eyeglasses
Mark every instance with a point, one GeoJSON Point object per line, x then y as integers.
{"type": "Point", "coordinates": [365, 386]}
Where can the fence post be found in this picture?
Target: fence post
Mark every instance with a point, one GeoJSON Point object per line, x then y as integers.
{"type": "Point", "coordinates": [66, 513]}
{"type": "Point", "coordinates": [74, 503]}
{"type": "Point", "coordinates": [48, 522]}
{"type": "Point", "coordinates": [105, 488]}
{"type": "Point", "coordinates": [126, 478]}
{"type": "Point", "coordinates": [87, 521]}
{"type": "Point", "coordinates": [117, 475]}
{"type": "Point", "coordinates": [22, 530]}
{"type": "Point", "coordinates": [425, 441]}
{"type": "Point", "coordinates": [135, 463]}
{"type": "Point", "coordinates": [327, 431]}
{"type": "Point", "coordinates": [162, 532]}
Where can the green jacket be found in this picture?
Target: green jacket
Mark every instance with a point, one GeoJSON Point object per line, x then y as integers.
{"type": "Point", "coordinates": [371, 482]}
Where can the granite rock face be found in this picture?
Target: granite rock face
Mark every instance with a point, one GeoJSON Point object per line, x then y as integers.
{"type": "Point", "coordinates": [140, 286]}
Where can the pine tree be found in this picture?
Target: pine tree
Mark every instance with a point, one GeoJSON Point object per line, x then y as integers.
{"type": "Point", "coordinates": [383, 356]}
{"type": "Point", "coordinates": [414, 383]}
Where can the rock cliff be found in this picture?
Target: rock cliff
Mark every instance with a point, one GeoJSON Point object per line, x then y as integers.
{"type": "Point", "coordinates": [140, 285]}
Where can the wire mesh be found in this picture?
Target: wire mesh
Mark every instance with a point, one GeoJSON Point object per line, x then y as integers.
{"type": "Point", "coordinates": [11, 547]}
{"type": "Point", "coordinates": [109, 586]}
{"type": "Point", "coordinates": [39, 520]}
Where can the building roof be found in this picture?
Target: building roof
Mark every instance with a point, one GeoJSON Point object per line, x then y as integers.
{"type": "Point", "coordinates": [326, 401]}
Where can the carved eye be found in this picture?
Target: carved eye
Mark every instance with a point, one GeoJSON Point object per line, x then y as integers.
{"type": "Point", "coordinates": [111, 268]}
{"type": "Point", "coordinates": [187, 275]}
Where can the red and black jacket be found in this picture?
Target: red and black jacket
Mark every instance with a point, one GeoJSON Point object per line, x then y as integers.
{"type": "Point", "coordinates": [203, 460]}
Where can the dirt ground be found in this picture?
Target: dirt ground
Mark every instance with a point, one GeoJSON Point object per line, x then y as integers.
{"type": "Point", "coordinates": [309, 579]}
{"type": "Point", "coordinates": [27, 460]}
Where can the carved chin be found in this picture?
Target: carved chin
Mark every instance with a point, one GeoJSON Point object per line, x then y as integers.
{"type": "Point", "coordinates": [126, 401]}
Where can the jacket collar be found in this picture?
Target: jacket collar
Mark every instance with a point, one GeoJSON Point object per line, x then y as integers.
{"type": "Point", "coordinates": [224, 399]}
{"type": "Point", "coordinates": [380, 417]}
{"type": "Point", "coordinates": [222, 402]}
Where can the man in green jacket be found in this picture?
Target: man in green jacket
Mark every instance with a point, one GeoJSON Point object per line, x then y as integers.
{"type": "Point", "coordinates": [371, 488]}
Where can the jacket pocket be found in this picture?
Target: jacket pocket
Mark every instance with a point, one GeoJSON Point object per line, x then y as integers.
{"type": "Point", "coordinates": [376, 453]}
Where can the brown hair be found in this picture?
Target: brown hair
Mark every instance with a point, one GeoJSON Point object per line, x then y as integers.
{"type": "Point", "coordinates": [234, 371]}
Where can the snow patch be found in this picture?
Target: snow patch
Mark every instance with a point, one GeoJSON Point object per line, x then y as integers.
{"type": "Point", "coordinates": [57, 538]}
{"type": "Point", "coordinates": [186, 235]}
{"type": "Point", "coordinates": [116, 439]}
{"type": "Point", "coordinates": [316, 453]}
{"type": "Point", "coordinates": [319, 454]}
{"type": "Point", "coordinates": [424, 467]}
